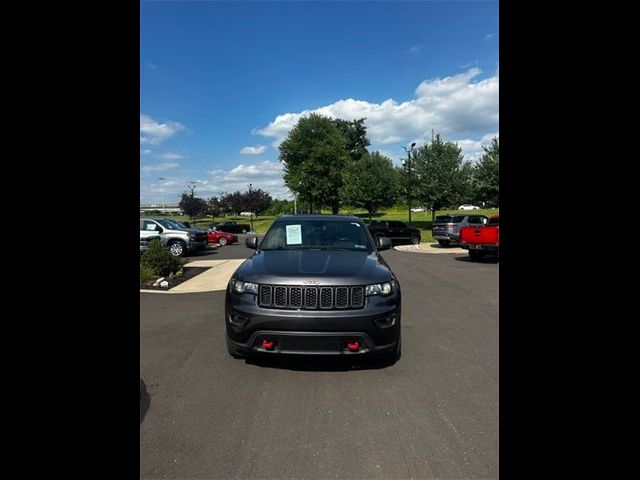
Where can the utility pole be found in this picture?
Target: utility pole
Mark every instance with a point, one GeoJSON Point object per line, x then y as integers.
{"type": "Point", "coordinates": [162, 179]}
{"type": "Point", "coordinates": [407, 166]}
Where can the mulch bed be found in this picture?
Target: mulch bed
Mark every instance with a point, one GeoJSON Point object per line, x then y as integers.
{"type": "Point", "coordinates": [189, 273]}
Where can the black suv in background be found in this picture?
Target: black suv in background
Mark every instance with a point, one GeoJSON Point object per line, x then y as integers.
{"type": "Point", "coordinates": [446, 228]}
{"type": "Point", "coordinates": [398, 232]}
{"type": "Point", "coordinates": [316, 285]}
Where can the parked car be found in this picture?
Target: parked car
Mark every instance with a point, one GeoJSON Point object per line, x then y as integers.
{"type": "Point", "coordinates": [231, 227]}
{"type": "Point", "coordinates": [316, 285]}
{"type": "Point", "coordinates": [481, 239]}
{"type": "Point", "coordinates": [419, 209]}
{"type": "Point", "coordinates": [177, 238]}
{"type": "Point", "coordinates": [468, 207]}
{"type": "Point", "coordinates": [146, 238]}
{"type": "Point", "coordinates": [446, 228]}
{"type": "Point", "coordinates": [247, 214]}
{"type": "Point", "coordinates": [398, 232]}
{"type": "Point", "coordinates": [221, 238]}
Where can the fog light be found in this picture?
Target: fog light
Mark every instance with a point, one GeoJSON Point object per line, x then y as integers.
{"type": "Point", "coordinates": [237, 321]}
{"type": "Point", "coordinates": [268, 344]}
{"type": "Point", "coordinates": [386, 322]}
{"type": "Point", "coordinates": [353, 346]}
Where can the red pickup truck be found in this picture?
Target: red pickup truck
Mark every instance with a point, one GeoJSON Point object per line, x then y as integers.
{"type": "Point", "coordinates": [481, 239]}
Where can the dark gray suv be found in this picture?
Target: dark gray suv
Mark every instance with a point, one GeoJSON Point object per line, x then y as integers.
{"type": "Point", "coordinates": [446, 228]}
{"type": "Point", "coordinates": [316, 285]}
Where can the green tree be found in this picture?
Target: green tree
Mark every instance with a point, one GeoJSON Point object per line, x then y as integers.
{"type": "Point", "coordinates": [257, 201]}
{"type": "Point", "coordinates": [370, 183]}
{"type": "Point", "coordinates": [440, 176]}
{"type": "Point", "coordinates": [355, 136]}
{"type": "Point", "coordinates": [314, 155]}
{"type": "Point", "coordinates": [214, 208]}
{"type": "Point", "coordinates": [191, 205]}
{"type": "Point", "coordinates": [486, 174]}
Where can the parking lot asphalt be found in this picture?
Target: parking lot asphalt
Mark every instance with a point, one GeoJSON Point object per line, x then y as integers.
{"type": "Point", "coordinates": [434, 414]}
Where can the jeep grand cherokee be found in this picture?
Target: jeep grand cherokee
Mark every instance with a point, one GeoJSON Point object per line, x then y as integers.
{"type": "Point", "coordinates": [315, 285]}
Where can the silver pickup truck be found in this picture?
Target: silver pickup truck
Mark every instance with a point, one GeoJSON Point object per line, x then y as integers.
{"type": "Point", "coordinates": [179, 239]}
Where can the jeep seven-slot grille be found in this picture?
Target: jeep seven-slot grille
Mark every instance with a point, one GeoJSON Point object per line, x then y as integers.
{"type": "Point", "coordinates": [310, 298]}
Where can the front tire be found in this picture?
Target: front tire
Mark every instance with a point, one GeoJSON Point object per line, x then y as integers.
{"type": "Point", "coordinates": [177, 248]}
{"type": "Point", "coordinates": [444, 243]}
{"type": "Point", "coordinates": [475, 255]}
{"type": "Point", "coordinates": [222, 241]}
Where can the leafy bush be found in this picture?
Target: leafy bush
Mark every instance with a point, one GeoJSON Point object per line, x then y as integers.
{"type": "Point", "coordinates": [146, 274]}
{"type": "Point", "coordinates": [159, 260]}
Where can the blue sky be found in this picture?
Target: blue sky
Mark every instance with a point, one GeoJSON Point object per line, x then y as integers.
{"type": "Point", "coordinates": [221, 83]}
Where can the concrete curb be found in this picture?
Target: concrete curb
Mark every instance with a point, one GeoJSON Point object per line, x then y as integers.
{"type": "Point", "coordinates": [212, 280]}
{"type": "Point", "coordinates": [430, 248]}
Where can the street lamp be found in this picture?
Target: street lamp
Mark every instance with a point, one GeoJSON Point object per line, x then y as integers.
{"type": "Point", "coordinates": [162, 179]}
{"type": "Point", "coordinates": [407, 166]}
{"type": "Point", "coordinates": [250, 206]}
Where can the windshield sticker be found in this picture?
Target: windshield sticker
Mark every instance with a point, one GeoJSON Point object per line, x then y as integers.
{"type": "Point", "coordinates": [294, 235]}
{"type": "Point", "coordinates": [360, 246]}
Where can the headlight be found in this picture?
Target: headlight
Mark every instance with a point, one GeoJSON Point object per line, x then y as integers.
{"type": "Point", "coordinates": [383, 289]}
{"type": "Point", "coordinates": [243, 287]}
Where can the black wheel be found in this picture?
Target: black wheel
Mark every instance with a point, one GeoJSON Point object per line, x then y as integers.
{"type": "Point", "coordinates": [444, 243]}
{"type": "Point", "coordinates": [475, 255]}
{"type": "Point", "coordinates": [177, 248]}
{"type": "Point", "coordinates": [222, 241]}
{"type": "Point", "coordinates": [232, 351]}
{"type": "Point", "coordinates": [415, 240]}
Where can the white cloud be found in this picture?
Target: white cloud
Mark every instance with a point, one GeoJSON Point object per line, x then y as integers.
{"type": "Point", "coordinates": [154, 133]}
{"type": "Point", "coordinates": [472, 149]}
{"type": "Point", "coordinates": [266, 175]}
{"type": "Point", "coordinates": [415, 50]}
{"type": "Point", "coordinates": [454, 106]}
{"type": "Point", "coordinates": [150, 65]}
{"type": "Point", "coordinates": [172, 156]}
{"type": "Point", "coordinates": [146, 151]}
{"type": "Point", "coordinates": [489, 36]}
{"type": "Point", "coordinates": [160, 167]}
{"type": "Point", "coordinates": [255, 150]}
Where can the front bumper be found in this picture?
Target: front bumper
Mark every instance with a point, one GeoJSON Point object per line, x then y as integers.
{"type": "Point", "coordinates": [442, 236]}
{"type": "Point", "coordinates": [313, 332]}
{"type": "Point", "coordinates": [197, 245]}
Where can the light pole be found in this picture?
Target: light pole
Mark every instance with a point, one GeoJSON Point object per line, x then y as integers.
{"type": "Point", "coordinates": [407, 165]}
{"type": "Point", "coordinates": [162, 179]}
{"type": "Point", "coordinates": [250, 207]}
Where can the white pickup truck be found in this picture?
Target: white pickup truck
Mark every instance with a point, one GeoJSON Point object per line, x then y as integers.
{"type": "Point", "coordinates": [178, 238]}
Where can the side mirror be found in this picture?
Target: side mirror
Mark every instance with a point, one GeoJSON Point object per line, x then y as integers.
{"type": "Point", "coordinates": [159, 229]}
{"type": "Point", "coordinates": [251, 242]}
{"type": "Point", "coordinates": [384, 243]}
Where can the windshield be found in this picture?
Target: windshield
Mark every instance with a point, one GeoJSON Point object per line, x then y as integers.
{"type": "Point", "coordinates": [317, 234]}
{"type": "Point", "coordinates": [170, 224]}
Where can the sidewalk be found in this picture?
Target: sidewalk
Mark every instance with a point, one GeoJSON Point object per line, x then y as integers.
{"type": "Point", "coordinates": [214, 279]}
{"type": "Point", "coordinates": [430, 248]}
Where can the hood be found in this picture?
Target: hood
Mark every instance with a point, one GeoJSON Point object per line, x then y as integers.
{"type": "Point", "coordinates": [325, 267]}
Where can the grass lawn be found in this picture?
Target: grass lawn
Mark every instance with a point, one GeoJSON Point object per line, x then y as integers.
{"type": "Point", "coordinates": [420, 220]}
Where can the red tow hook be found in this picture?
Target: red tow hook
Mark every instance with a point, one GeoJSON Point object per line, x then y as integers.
{"type": "Point", "coordinates": [268, 344]}
{"type": "Point", "coordinates": [353, 346]}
